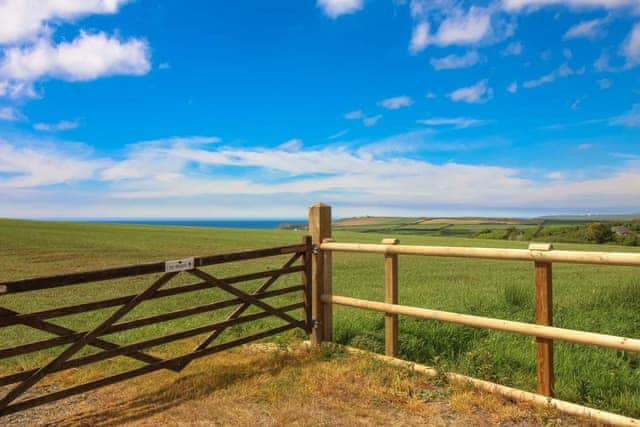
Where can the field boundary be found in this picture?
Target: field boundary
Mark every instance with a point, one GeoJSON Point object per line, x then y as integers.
{"type": "Point", "coordinates": [542, 255]}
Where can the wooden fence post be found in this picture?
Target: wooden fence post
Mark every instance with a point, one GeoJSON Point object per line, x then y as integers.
{"type": "Point", "coordinates": [390, 297]}
{"type": "Point", "coordinates": [306, 280]}
{"type": "Point", "coordinates": [322, 319]}
{"type": "Point", "coordinates": [544, 316]}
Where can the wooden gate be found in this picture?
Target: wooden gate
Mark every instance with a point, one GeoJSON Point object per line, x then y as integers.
{"type": "Point", "coordinates": [14, 398]}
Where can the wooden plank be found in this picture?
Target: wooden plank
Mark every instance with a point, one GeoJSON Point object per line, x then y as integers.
{"type": "Point", "coordinates": [551, 332]}
{"type": "Point", "coordinates": [30, 403]}
{"type": "Point", "coordinates": [544, 346]}
{"type": "Point", "coordinates": [320, 229]}
{"type": "Point", "coordinates": [127, 349]}
{"type": "Point", "coordinates": [16, 318]}
{"type": "Point", "coordinates": [49, 282]}
{"type": "Point", "coordinates": [391, 345]}
{"type": "Point", "coordinates": [577, 257]}
{"type": "Point", "coordinates": [70, 336]}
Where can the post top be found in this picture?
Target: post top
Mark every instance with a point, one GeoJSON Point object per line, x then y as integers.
{"type": "Point", "coordinates": [390, 241]}
{"type": "Point", "coordinates": [319, 205]}
{"type": "Point", "coordinates": [540, 247]}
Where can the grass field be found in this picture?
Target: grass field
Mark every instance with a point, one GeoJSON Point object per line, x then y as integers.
{"type": "Point", "coordinates": [591, 298]}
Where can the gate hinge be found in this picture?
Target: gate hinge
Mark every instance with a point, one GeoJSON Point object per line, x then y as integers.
{"type": "Point", "coordinates": [315, 249]}
{"type": "Point", "coordinates": [315, 324]}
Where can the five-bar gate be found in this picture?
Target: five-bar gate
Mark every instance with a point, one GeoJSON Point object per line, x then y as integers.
{"type": "Point", "coordinates": [17, 398]}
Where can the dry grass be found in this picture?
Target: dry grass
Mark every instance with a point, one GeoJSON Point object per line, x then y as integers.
{"type": "Point", "coordinates": [269, 384]}
{"type": "Point", "coordinates": [365, 220]}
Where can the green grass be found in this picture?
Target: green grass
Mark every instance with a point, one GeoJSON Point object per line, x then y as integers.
{"type": "Point", "coordinates": [590, 298]}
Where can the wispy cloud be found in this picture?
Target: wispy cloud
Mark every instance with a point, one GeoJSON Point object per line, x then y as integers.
{"type": "Point", "coordinates": [563, 70]}
{"type": "Point", "coordinates": [336, 8]}
{"type": "Point", "coordinates": [59, 126]}
{"type": "Point", "coordinates": [604, 83]}
{"type": "Point", "coordinates": [591, 29]}
{"type": "Point", "coordinates": [629, 119]}
{"type": "Point", "coordinates": [452, 61]}
{"type": "Point", "coordinates": [294, 144]}
{"type": "Point", "coordinates": [631, 46]}
{"type": "Point", "coordinates": [475, 94]}
{"type": "Point", "coordinates": [396, 102]}
{"type": "Point", "coordinates": [339, 134]}
{"type": "Point", "coordinates": [518, 5]}
{"type": "Point", "coordinates": [371, 121]}
{"type": "Point", "coordinates": [512, 49]}
{"type": "Point", "coordinates": [456, 122]}
{"type": "Point", "coordinates": [513, 87]}
{"type": "Point", "coordinates": [354, 115]}
{"type": "Point", "coordinates": [10, 114]}
{"type": "Point", "coordinates": [153, 174]}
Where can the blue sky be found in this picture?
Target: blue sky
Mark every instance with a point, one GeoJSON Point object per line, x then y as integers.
{"type": "Point", "coordinates": [116, 108]}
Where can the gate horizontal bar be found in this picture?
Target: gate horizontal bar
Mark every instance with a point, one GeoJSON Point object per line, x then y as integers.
{"type": "Point", "coordinates": [53, 342]}
{"type": "Point", "coordinates": [49, 282]}
{"type": "Point", "coordinates": [126, 349]}
{"type": "Point", "coordinates": [26, 404]}
{"type": "Point", "coordinates": [570, 335]}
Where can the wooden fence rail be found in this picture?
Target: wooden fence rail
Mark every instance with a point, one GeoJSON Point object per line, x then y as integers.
{"type": "Point", "coordinates": [298, 263]}
{"type": "Point", "coordinates": [541, 255]}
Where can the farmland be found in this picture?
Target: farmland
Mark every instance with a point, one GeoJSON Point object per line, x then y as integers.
{"type": "Point", "coordinates": [591, 298]}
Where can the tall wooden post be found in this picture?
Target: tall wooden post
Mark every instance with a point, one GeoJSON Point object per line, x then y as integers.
{"type": "Point", "coordinates": [320, 229]}
{"type": "Point", "coordinates": [390, 297]}
{"type": "Point", "coordinates": [544, 316]}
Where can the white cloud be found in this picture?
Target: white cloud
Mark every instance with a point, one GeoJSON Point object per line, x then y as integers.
{"type": "Point", "coordinates": [562, 71]}
{"type": "Point", "coordinates": [458, 28]}
{"type": "Point", "coordinates": [87, 57]}
{"type": "Point", "coordinates": [567, 53]}
{"type": "Point", "coordinates": [586, 29]}
{"type": "Point", "coordinates": [631, 46]}
{"type": "Point", "coordinates": [475, 94]}
{"type": "Point", "coordinates": [512, 49]}
{"type": "Point", "coordinates": [604, 83]}
{"type": "Point", "coordinates": [517, 5]}
{"type": "Point", "coordinates": [10, 114]}
{"type": "Point", "coordinates": [513, 87]}
{"type": "Point", "coordinates": [336, 8]}
{"type": "Point", "coordinates": [583, 147]}
{"type": "Point", "coordinates": [291, 145]}
{"type": "Point", "coordinates": [372, 120]}
{"type": "Point", "coordinates": [456, 122]}
{"type": "Point", "coordinates": [154, 175]}
{"type": "Point", "coordinates": [452, 61]}
{"type": "Point", "coordinates": [52, 127]}
{"type": "Point", "coordinates": [354, 115]}
{"type": "Point", "coordinates": [33, 166]}
{"type": "Point", "coordinates": [396, 102]}
{"type": "Point", "coordinates": [23, 20]}
{"type": "Point", "coordinates": [419, 37]}
{"type": "Point", "coordinates": [630, 119]}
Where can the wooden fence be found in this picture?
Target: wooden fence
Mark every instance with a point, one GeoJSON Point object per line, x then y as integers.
{"type": "Point", "coordinates": [299, 263]}
{"type": "Point", "coordinates": [541, 255]}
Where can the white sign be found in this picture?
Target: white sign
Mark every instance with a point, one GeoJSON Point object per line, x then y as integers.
{"type": "Point", "coordinates": [179, 265]}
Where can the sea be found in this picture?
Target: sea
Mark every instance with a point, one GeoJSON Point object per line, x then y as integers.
{"type": "Point", "coordinates": [264, 224]}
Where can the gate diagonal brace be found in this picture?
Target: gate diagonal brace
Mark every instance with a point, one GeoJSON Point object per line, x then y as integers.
{"type": "Point", "coordinates": [242, 308]}
{"type": "Point", "coordinates": [83, 341]}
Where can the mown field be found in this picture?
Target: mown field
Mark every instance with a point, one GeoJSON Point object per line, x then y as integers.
{"type": "Point", "coordinates": [591, 298]}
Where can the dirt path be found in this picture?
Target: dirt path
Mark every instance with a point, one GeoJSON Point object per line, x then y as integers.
{"type": "Point", "coordinates": [270, 385]}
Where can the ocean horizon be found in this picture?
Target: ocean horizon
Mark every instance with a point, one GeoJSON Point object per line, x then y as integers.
{"type": "Point", "coordinates": [213, 223]}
